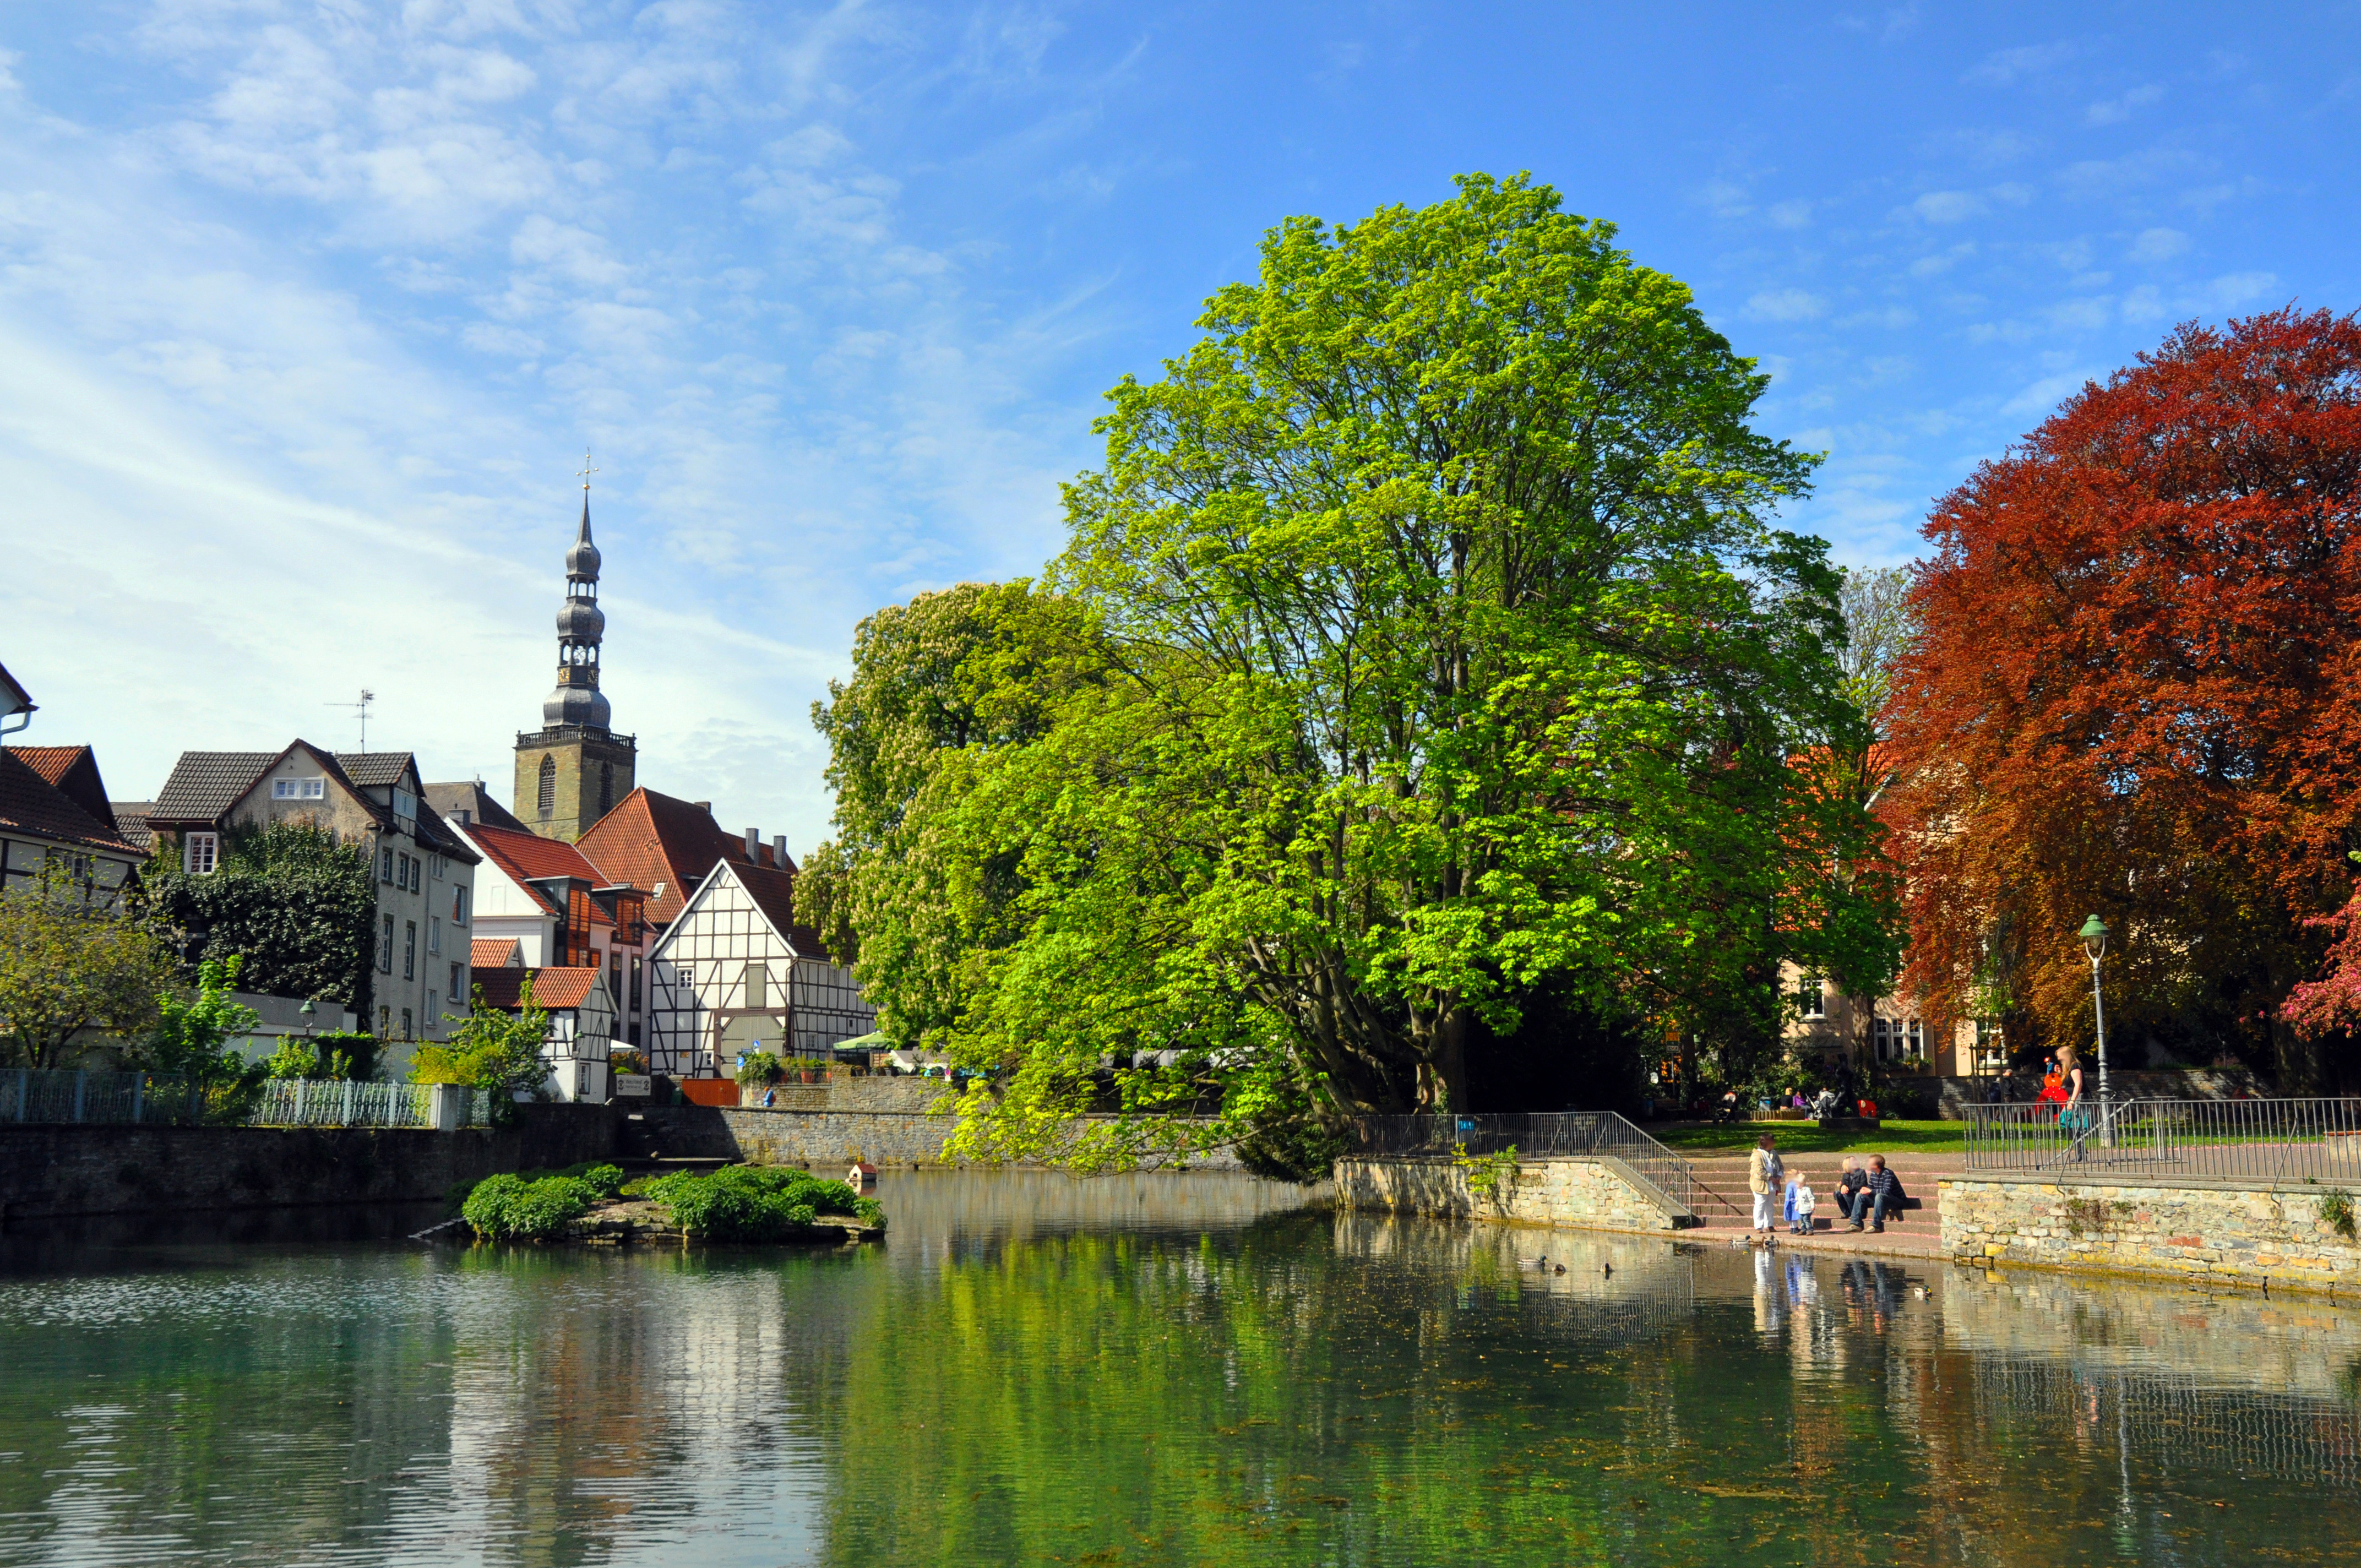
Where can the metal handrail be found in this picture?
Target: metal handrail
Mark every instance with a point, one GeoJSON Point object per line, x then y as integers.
{"type": "Point", "coordinates": [2242, 1140]}
{"type": "Point", "coordinates": [1539, 1134]}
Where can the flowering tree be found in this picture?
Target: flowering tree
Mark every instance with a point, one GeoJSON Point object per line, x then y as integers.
{"type": "Point", "coordinates": [2133, 692]}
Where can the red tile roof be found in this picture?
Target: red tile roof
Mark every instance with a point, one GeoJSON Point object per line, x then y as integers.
{"type": "Point", "coordinates": [554, 989]}
{"type": "Point", "coordinates": [525, 856]}
{"type": "Point", "coordinates": [774, 895]}
{"type": "Point", "coordinates": [33, 807]}
{"type": "Point", "coordinates": [666, 846]}
{"type": "Point", "coordinates": [72, 770]}
{"type": "Point", "coordinates": [495, 952]}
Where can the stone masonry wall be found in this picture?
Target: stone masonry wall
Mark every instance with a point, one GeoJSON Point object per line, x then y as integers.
{"type": "Point", "coordinates": [821, 1139]}
{"type": "Point", "coordinates": [49, 1169]}
{"type": "Point", "coordinates": [1562, 1194]}
{"type": "Point", "coordinates": [2203, 1232]}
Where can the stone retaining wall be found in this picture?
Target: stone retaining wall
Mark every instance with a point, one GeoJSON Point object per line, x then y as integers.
{"type": "Point", "coordinates": [1573, 1193]}
{"type": "Point", "coordinates": [822, 1139]}
{"type": "Point", "coordinates": [2210, 1231]}
{"type": "Point", "coordinates": [52, 1170]}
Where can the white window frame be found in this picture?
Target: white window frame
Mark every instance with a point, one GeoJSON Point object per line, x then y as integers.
{"type": "Point", "coordinates": [201, 854]}
{"type": "Point", "coordinates": [435, 933]}
{"type": "Point", "coordinates": [299, 789]}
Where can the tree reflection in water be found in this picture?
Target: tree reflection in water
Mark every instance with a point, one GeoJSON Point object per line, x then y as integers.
{"type": "Point", "coordinates": [1169, 1369]}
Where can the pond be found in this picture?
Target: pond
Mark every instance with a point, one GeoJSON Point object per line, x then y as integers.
{"type": "Point", "coordinates": [1178, 1370]}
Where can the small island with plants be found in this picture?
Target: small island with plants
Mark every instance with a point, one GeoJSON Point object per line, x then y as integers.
{"type": "Point", "coordinates": [597, 1205]}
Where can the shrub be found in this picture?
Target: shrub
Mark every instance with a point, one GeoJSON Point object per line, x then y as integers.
{"type": "Point", "coordinates": [509, 1208]}
{"type": "Point", "coordinates": [759, 1067]}
{"type": "Point", "coordinates": [749, 1203]}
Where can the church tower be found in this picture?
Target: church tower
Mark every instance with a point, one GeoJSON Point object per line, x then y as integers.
{"type": "Point", "coordinates": [574, 769]}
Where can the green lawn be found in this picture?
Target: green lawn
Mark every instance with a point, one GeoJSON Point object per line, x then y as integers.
{"type": "Point", "coordinates": [1806, 1138]}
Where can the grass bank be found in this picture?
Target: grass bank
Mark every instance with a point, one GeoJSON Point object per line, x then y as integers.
{"type": "Point", "coordinates": [1806, 1138]}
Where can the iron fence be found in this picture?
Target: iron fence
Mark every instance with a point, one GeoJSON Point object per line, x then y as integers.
{"type": "Point", "coordinates": [1536, 1135]}
{"type": "Point", "coordinates": [129, 1098]}
{"type": "Point", "coordinates": [2230, 1140]}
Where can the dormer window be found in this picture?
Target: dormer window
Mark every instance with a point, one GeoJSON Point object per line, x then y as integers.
{"type": "Point", "coordinates": [405, 808]}
{"type": "Point", "coordinates": [299, 789]}
{"type": "Point", "coordinates": [200, 853]}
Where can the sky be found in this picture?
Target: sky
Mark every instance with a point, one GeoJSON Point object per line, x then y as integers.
{"type": "Point", "coordinates": [308, 312]}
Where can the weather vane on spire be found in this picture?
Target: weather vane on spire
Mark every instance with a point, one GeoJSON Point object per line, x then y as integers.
{"type": "Point", "coordinates": [586, 471]}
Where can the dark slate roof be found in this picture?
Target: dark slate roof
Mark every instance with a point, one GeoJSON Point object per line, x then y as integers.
{"type": "Point", "coordinates": [32, 806]}
{"type": "Point", "coordinates": [205, 784]}
{"type": "Point", "coordinates": [470, 797]}
{"type": "Point", "coordinates": [375, 770]}
{"type": "Point", "coordinates": [73, 770]}
{"type": "Point", "coordinates": [439, 836]}
{"type": "Point", "coordinates": [131, 821]}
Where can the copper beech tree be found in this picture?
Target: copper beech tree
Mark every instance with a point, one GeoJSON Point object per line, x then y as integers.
{"type": "Point", "coordinates": [2133, 692]}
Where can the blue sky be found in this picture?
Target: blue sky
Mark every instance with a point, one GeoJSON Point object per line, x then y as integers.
{"type": "Point", "coordinates": [308, 310]}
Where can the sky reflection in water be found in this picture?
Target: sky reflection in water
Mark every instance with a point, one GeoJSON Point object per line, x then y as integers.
{"type": "Point", "coordinates": [1178, 1370]}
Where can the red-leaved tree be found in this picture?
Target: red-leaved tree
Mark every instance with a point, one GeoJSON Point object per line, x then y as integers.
{"type": "Point", "coordinates": [2134, 692]}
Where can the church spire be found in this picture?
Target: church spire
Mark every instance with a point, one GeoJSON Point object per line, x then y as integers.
{"type": "Point", "coordinates": [581, 627]}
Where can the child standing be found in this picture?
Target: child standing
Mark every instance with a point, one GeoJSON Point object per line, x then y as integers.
{"type": "Point", "coordinates": [1804, 1203]}
{"type": "Point", "coordinates": [1787, 1209]}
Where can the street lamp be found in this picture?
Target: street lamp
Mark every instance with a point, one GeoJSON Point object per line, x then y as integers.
{"type": "Point", "coordinates": [2094, 942]}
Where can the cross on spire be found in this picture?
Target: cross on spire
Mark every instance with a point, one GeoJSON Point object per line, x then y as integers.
{"type": "Point", "coordinates": [586, 471]}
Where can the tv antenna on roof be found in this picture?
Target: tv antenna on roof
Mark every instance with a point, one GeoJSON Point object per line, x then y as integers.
{"type": "Point", "coordinates": [360, 707]}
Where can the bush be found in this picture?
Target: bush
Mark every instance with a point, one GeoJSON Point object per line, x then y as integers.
{"type": "Point", "coordinates": [759, 1067]}
{"type": "Point", "coordinates": [749, 1203]}
{"type": "Point", "coordinates": [509, 1208]}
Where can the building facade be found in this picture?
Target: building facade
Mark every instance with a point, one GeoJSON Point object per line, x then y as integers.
{"type": "Point", "coordinates": [559, 910]}
{"type": "Point", "coordinates": [423, 872]}
{"type": "Point", "coordinates": [55, 818]}
{"type": "Point", "coordinates": [581, 1023]}
{"type": "Point", "coordinates": [732, 973]}
{"type": "Point", "coordinates": [574, 768]}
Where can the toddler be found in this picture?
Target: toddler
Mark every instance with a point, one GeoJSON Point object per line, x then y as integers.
{"type": "Point", "coordinates": [1800, 1198]}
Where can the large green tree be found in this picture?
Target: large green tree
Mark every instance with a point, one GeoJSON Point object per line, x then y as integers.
{"type": "Point", "coordinates": [1425, 640]}
{"type": "Point", "coordinates": [72, 963]}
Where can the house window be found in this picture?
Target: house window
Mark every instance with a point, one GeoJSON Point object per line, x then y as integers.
{"type": "Point", "coordinates": [385, 865]}
{"type": "Point", "coordinates": [409, 1031]}
{"type": "Point", "coordinates": [410, 956]}
{"type": "Point", "coordinates": [548, 785]}
{"type": "Point", "coordinates": [459, 906]}
{"type": "Point", "coordinates": [385, 948]}
{"type": "Point", "coordinates": [758, 981]}
{"type": "Point", "coordinates": [454, 983]}
{"type": "Point", "coordinates": [1811, 995]}
{"type": "Point", "coordinates": [417, 874]}
{"type": "Point", "coordinates": [299, 789]}
{"type": "Point", "coordinates": [435, 933]}
{"type": "Point", "coordinates": [201, 854]}
{"type": "Point", "coordinates": [436, 861]}
{"type": "Point", "coordinates": [384, 1021]}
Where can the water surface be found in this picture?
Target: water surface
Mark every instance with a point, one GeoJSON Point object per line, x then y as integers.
{"type": "Point", "coordinates": [1149, 1370]}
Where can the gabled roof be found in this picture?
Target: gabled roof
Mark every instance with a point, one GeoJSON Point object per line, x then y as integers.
{"type": "Point", "coordinates": [32, 806]}
{"type": "Point", "coordinates": [666, 846]}
{"type": "Point", "coordinates": [375, 770]}
{"type": "Point", "coordinates": [554, 989]}
{"type": "Point", "coordinates": [528, 857]}
{"type": "Point", "coordinates": [495, 952]}
{"type": "Point", "coordinates": [773, 894]}
{"type": "Point", "coordinates": [72, 770]}
{"type": "Point", "coordinates": [468, 801]}
{"type": "Point", "coordinates": [205, 784]}
{"type": "Point", "coordinates": [14, 699]}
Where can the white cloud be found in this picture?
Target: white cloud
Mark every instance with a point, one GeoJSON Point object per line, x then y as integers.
{"type": "Point", "coordinates": [2041, 399]}
{"type": "Point", "coordinates": [2158, 245]}
{"type": "Point", "coordinates": [2115, 111]}
{"type": "Point", "coordinates": [1792, 214]}
{"type": "Point", "coordinates": [2005, 68]}
{"type": "Point", "coordinates": [1786, 305]}
{"type": "Point", "coordinates": [2241, 287]}
{"type": "Point", "coordinates": [1947, 206]}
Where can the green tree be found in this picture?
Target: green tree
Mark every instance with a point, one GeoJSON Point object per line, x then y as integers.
{"type": "Point", "coordinates": [69, 963]}
{"type": "Point", "coordinates": [194, 1040]}
{"type": "Point", "coordinates": [1424, 640]}
{"type": "Point", "coordinates": [492, 1049]}
{"type": "Point", "coordinates": [292, 898]}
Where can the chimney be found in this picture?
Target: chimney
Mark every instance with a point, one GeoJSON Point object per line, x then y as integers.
{"type": "Point", "coordinates": [754, 845]}
{"type": "Point", "coordinates": [779, 850]}
{"type": "Point", "coordinates": [463, 814]}
{"type": "Point", "coordinates": [704, 805]}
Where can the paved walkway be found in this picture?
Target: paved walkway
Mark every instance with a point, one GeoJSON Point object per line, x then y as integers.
{"type": "Point", "coordinates": [1918, 1235]}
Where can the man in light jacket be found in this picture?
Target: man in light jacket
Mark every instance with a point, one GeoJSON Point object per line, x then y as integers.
{"type": "Point", "coordinates": [1765, 1177]}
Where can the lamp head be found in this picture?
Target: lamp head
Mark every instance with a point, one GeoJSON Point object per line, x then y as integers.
{"type": "Point", "coordinates": [2094, 938]}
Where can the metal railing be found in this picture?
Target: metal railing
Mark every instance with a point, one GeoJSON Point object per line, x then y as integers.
{"type": "Point", "coordinates": [1537, 1135]}
{"type": "Point", "coordinates": [138, 1098]}
{"type": "Point", "coordinates": [2228, 1140]}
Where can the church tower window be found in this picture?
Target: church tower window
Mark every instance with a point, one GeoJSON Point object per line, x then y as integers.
{"type": "Point", "coordinates": [548, 794]}
{"type": "Point", "coordinates": [606, 788]}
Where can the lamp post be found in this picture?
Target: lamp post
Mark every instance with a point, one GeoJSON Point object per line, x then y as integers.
{"type": "Point", "coordinates": [2094, 942]}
